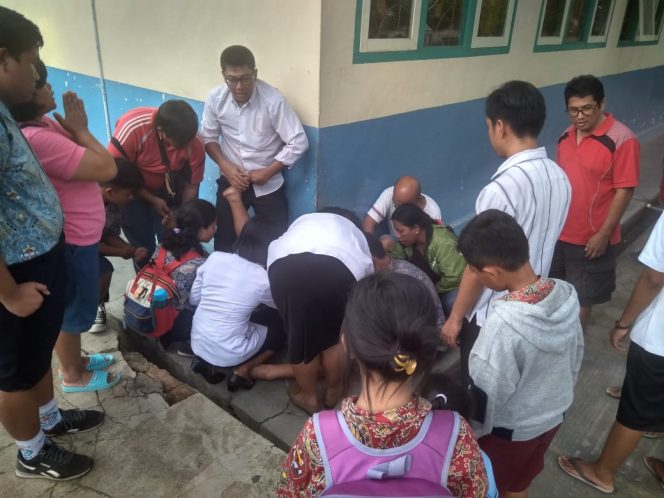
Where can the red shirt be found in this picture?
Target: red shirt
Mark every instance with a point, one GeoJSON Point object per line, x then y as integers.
{"type": "Point", "coordinates": [602, 162]}
{"type": "Point", "coordinates": [136, 133]}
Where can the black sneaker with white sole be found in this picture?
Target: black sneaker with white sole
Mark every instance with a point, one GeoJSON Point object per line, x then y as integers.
{"type": "Point", "coordinates": [55, 463]}
{"type": "Point", "coordinates": [74, 421]}
{"type": "Point", "coordinates": [99, 324]}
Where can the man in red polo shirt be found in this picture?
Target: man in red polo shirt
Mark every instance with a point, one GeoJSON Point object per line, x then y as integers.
{"type": "Point", "coordinates": [164, 146]}
{"type": "Point", "coordinates": [601, 158]}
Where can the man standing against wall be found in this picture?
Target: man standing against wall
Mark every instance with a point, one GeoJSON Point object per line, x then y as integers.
{"type": "Point", "coordinates": [528, 186]}
{"type": "Point", "coordinates": [250, 131]}
{"type": "Point", "coordinates": [601, 158]}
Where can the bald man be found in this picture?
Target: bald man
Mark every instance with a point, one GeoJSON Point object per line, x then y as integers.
{"type": "Point", "coordinates": [405, 191]}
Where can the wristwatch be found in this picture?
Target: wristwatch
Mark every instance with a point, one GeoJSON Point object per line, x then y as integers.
{"type": "Point", "coordinates": [620, 326]}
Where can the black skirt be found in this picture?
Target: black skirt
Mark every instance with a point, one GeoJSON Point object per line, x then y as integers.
{"type": "Point", "coordinates": [310, 291]}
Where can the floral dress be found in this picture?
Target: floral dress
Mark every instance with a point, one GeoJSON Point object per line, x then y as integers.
{"type": "Point", "coordinates": [302, 472]}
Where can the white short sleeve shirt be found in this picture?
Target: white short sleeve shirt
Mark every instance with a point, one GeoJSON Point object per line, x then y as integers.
{"type": "Point", "coordinates": [384, 207]}
{"type": "Point", "coordinates": [648, 330]}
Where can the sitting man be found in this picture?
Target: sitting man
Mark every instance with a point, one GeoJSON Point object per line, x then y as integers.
{"type": "Point", "coordinates": [406, 190]}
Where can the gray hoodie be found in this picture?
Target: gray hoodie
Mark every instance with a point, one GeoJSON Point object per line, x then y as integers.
{"type": "Point", "coordinates": [526, 359]}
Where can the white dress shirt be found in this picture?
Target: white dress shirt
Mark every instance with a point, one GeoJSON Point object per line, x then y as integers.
{"type": "Point", "coordinates": [325, 234]}
{"type": "Point", "coordinates": [536, 192]}
{"type": "Point", "coordinates": [254, 135]}
{"type": "Point", "coordinates": [227, 289]}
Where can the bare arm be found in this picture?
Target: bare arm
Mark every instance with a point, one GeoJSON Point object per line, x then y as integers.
{"type": "Point", "coordinates": [470, 291]}
{"type": "Point", "coordinates": [598, 243]}
{"type": "Point", "coordinates": [261, 176]}
{"type": "Point", "coordinates": [369, 224]}
{"type": "Point", "coordinates": [190, 192]}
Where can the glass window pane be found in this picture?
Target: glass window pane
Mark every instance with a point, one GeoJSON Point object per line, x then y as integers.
{"type": "Point", "coordinates": [658, 16]}
{"type": "Point", "coordinates": [576, 20]}
{"type": "Point", "coordinates": [630, 20]}
{"type": "Point", "coordinates": [649, 7]}
{"type": "Point", "coordinates": [492, 18]}
{"type": "Point", "coordinates": [443, 23]}
{"type": "Point", "coordinates": [553, 18]}
{"type": "Point", "coordinates": [390, 18]}
{"type": "Point", "coordinates": [601, 18]}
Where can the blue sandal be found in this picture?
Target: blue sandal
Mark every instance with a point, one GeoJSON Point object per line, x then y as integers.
{"type": "Point", "coordinates": [98, 382]}
{"type": "Point", "coordinates": [99, 361]}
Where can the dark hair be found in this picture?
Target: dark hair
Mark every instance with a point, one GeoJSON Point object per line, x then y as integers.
{"type": "Point", "coordinates": [520, 105]}
{"type": "Point", "coordinates": [128, 176]}
{"type": "Point", "coordinates": [18, 34]}
{"type": "Point", "coordinates": [346, 213]}
{"type": "Point", "coordinates": [455, 395]}
{"type": "Point", "coordinates": [583, 86]}
{"type": "Point", "coordinates": [237, 56]}
{"type": "Point", "coordinates": [189, 219]}
{"type": "Point", "coordinates": [375, 247]}
{"type": "Point", "coordinates": [390, 314]}
{"type": "Point", "coordinates": [178, 121]}
{"type": "Point", "coordinates": [27, 111]}
{"type": "Point", "coordinates": [494, 238]}
{"type": "Point", "coordinates": [412, 215]}
{"type": "Point", "coordinates": [254, 239]}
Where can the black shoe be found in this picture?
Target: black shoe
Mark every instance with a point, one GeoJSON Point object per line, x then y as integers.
{"type": "Point", "coordinates": [76, 421]}
{"type": "Point", "coordinates": [185, 351]}
{"type": "Point", "coordinates": [236, 382]}
{"type": "Point", "coordinates": [55, 463]}
{"type": "Point", "coordinates": [209, 372]}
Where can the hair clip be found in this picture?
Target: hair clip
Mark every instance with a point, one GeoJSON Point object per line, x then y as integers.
{"type": "Point", "coordinates": [176, 230]}
{"type": "Point", "coordinates": [405, 363]}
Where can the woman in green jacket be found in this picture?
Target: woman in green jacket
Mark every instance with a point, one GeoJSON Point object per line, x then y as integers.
{"type": "Point", "coordinates": [430, 247]}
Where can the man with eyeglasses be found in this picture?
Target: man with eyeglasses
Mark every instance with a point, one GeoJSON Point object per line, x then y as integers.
{"type": "Point", "coordinates": [252, 134]}
{"type": "Point", "coordinates": [601, 158]}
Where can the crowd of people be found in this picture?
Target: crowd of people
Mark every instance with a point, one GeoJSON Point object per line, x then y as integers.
{"type": "Point", "coordinates": [514, 290]}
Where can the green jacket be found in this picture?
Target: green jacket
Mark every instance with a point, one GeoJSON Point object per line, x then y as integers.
{"type": "Point", "coordinates": [443, 257]}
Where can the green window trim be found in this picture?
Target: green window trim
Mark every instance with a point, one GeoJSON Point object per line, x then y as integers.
{"type": "Point", "coordinates": [633, 31]}
{"type": "Point", "coordinates": [585, 32]}
{"type": "Point", "coordinates": [464, 49]}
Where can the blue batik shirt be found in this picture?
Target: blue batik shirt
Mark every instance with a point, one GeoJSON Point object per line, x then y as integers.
{"type": "Point", "coordinates": [30, 212]}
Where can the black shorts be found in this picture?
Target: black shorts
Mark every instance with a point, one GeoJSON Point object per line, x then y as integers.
{"type": "Point", "coordinates": [641, 406]}
{"type": "Point", "coordinates": [26, 344]}
{"type": "Point", "coordinates": [593, 279]}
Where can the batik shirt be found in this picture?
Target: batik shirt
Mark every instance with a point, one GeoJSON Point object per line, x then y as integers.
{"type": "Point", "coordinates": [30, 212]}
{"type": "Point", "coordinates": [302, 473]}
{"type": "Point", "coordinates": [533, 293]}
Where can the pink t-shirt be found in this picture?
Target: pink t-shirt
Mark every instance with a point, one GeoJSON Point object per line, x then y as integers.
{"type": "Point", "coordinates": [82, 202]}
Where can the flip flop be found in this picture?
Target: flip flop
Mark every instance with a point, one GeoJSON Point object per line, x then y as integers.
{"type": "Point", "coordinates": [98, 382]}
{"type": "Point", "coordinates": [651, 463]}
{"type": "Point", "coordinates": [653, 435]}
{"type": "Point", "coordinates": [578, 474]}
{"type": "Point", "coordinates": [614, 392]}
{"type": "Point", "coordinates": [99, 361]}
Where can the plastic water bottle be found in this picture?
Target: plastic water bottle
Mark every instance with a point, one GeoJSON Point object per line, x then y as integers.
{"type": "Point", "coordinates": [159, 298]}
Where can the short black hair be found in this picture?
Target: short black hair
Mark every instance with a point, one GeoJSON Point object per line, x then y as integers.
{"type": "Point", "coordinates": [237, 56]}
{"type": "Point", "coordinates": [584, 86]}
{"type": "Point", "coordinates": [18, 34]}
{"type": "Point", "coordinates": [375, 247]}
{"type": "Point", "coordinates": [520, 105]}
{"type": "Point", "coordinates": [27, 111]}
{"type": "Point", "coordinates": [345, 213]}
{"type": "Point", "coordinates": [254, 239]}
{"type": "Point", "coordinates": [494, 238]}
{"type": "Point", "coordinates": [128, 176]}
{"type": "Point", "coordinates": [178, 121]}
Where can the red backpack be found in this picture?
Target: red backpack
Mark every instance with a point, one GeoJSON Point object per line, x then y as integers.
{"type": "Point", "coordinates": [139, 313]}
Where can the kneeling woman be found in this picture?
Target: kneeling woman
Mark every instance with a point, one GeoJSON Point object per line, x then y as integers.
{"type": "Point", "coordinates": [430, 247]}
{"type": "Point", "coordinates": [236, 321]}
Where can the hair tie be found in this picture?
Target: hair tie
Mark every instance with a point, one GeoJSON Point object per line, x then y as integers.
{"type": "Point", "coordinates": [443, 397]}
{"type": "Point", "coordinates": [176, 230]}
{"type": "Point", "coordinates": [405, 363]}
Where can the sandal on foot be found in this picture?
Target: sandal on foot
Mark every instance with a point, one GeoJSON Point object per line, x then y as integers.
{"type": "Point", "coordinates": [236, 382]}
{"type": "Point", "coordinates": [651, 465]}
{"type": "Point", "coordinates": [98, 382]}
{"type": "Point", "coordinates": [571, 467]}
{"type": "Point", "coordinates": [614, 391]}
{"type": "Point", "coordinates": [99, 361]}
{"type": "Point", "coordinates": [653, 435]}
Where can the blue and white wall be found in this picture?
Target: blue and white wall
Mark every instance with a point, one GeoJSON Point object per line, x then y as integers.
{"type": "Point", "coordinates": [367, 123]}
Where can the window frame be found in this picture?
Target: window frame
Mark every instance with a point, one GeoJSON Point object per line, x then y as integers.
{"type": "Point", "coordinates": [558, 43]}
{"type": "Point", "coordinates": [636, 38]}
{"type": "Point", "coordinates": [366, 52]}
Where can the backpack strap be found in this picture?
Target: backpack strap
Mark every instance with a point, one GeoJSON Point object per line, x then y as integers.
{"type": "Point", "coordinates": [441, 435]}
{"type": "Point", "coordinates": [331, 440]}
{"type": "Point", "coordinates": [116, 143]}
{"type": "Point", "coordinates": [188, 256]}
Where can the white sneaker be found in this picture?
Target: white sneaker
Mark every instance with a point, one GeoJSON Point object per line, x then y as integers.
{"type": "Point", "coordinates": [100, 321]}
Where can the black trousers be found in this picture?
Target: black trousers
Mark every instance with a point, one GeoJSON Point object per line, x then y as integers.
{"type": "Point", "coordinates": [273, 207]}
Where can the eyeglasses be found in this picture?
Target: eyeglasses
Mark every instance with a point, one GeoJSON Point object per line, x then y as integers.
{"type": "Point", "coordinates": [244, 80]}
{"type": "Point", "coordinates": [586, 110]}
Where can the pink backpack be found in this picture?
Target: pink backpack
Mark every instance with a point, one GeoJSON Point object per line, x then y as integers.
{"type": "Point", "coordinates": [419, 468]}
